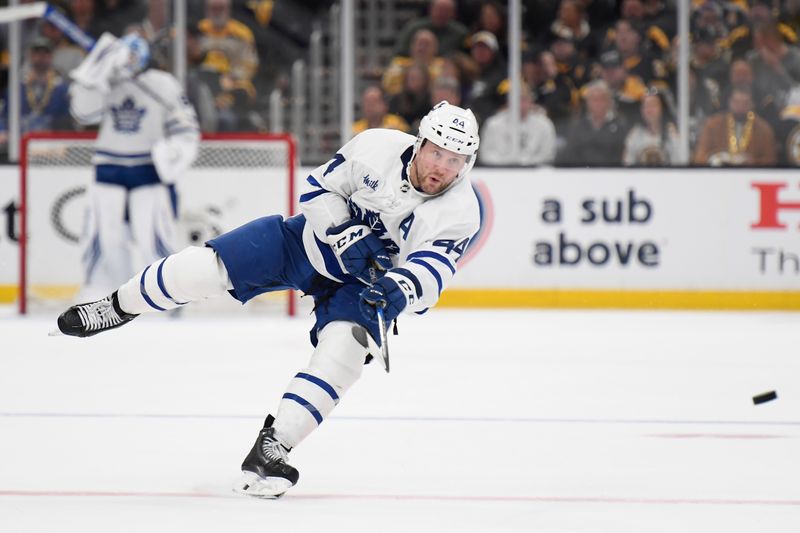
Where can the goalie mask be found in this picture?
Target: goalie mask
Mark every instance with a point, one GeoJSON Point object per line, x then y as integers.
{"type": "Point", "coordinates": [140, 53]}
{"type": "Point", "coordinates": [452, 128]}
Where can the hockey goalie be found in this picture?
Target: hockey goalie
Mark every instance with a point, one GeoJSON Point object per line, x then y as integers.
{"type": "Point", "coordinates": [149, 136]}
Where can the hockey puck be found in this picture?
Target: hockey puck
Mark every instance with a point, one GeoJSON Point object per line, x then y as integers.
{"type": "Point", "coordinates": [765, 397]}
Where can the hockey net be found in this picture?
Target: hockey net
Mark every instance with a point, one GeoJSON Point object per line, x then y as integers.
{"type": "Point", "coordinates": [236, 178]}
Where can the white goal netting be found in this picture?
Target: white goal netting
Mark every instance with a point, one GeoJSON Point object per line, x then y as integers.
{"type": "Point", "coordinates": [235, 179]}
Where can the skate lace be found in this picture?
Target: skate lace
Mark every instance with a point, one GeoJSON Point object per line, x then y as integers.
{"type": "Point", "coordinates": [273, 450]}
{"type": "Point", "coordinates": [98, 315]}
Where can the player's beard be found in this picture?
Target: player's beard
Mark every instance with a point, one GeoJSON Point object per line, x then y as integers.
{"type": "Point", "coordinates": [431, 183]}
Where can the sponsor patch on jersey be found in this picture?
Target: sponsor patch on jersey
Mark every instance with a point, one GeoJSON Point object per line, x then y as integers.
{"type": "Point", "coordinates": [127, 117]}
{"type": "Point", "coordinates": [372, 184]}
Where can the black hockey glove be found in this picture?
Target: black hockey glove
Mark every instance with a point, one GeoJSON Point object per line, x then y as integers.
{"type": "Point", "coordinates": [385, 293]}
{"type": "Point", "coordinates": [361, 250]}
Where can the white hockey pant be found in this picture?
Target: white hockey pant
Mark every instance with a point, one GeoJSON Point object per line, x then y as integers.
{"type": "Point", "coordinates": [114, 249]}
{"type": "Point", "coordinates": [312, 394]}
{"type": "Point", "coordinates": [193, 274]}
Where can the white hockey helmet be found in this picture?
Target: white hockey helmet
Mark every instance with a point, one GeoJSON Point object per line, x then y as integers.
{"type": "Point", "coordinates": [452, 128]}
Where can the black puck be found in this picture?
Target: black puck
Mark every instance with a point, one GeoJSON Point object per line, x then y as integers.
{"type": "Point", "coordinates": [765, 397]}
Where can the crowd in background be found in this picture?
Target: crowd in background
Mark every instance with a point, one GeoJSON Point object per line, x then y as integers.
{"type": "Point", "coordinates": [600, 76]}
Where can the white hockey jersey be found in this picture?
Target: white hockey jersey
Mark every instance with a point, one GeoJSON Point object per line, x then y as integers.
{"type": "Point", "coordinates": [134, 115]}
{"type": "Point", "coordinates": [368, 180]}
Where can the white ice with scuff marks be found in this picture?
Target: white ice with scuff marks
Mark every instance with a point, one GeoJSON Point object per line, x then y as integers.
{"type": "Point", "coordinates": [491, 421]}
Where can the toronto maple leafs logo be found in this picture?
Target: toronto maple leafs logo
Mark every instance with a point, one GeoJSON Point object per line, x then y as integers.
{"type": "Point", "coordinates": [127, 117]}
{"type": "Point", "coordinates": [376, 225]}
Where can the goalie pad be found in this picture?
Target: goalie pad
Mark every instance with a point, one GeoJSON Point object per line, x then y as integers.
{"type": "Point", "coordinates": [103, 64]}
{"type": "Point", "coordinates": [172, 156]}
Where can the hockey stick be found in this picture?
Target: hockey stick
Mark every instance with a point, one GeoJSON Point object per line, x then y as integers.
{"type": "Point", "coordinates": [373, 277]}
{"type": "Point", "coordinates": [384, 342]}
{"type": "Point", "coordinates": [87, 42]}
{"type": "Point", "coordinates": [25, 11]}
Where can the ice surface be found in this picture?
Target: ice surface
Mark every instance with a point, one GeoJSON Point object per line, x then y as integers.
{"type": "Point", "coordinates": [490, 421]}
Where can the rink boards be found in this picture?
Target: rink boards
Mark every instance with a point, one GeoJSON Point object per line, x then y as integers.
{"type": "Point", "coordinates": [618, 238]}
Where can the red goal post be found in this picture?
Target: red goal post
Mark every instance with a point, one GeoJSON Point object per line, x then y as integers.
{"type": "Point", "coordinates": [237, 177]}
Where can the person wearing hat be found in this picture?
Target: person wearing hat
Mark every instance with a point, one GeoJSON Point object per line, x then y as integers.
{"type": "Point", "coordinates": [706, 59]}
{"type": "Point", "coordinates": [627, 89]}
{"type": "Point", "coordinates": [492, 70]}
{"type": "Point", "coordinates": [45, 100]}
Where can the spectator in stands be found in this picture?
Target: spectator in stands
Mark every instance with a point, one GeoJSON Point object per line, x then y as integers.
{"type": "Point", "coordinates": [572, 24]}
{"type": "Point", "coordinates": [463, 70]}
{"type": "Point", "coordinates": [485, 97]}
{"type": "Point", "coordinates": [424, 52]}
{"type": "Point", "coordinates": [653, 140]}
{"type": "Point", "coordinates": [740, 76]}
{"type": "Point", "coordinates": [450, 33]}
{"type": "Point", "coordinates": [375, 113]}
{"type": "Point", "coordinates": [198, 90]}
{"type": "Point", "coordinates": [556, 93]}
{"type": "Point", "coordinates": [788, 131]}
{"type": "Point", "coordinates": [228, 65]}
{"type": "Point", "coordinates": [627, 89]}
{"type": "Point", "coordinates": [657, 14]}
{"type": "Point", "coordinates": [706, 60]}
{"type": "Point", "coordinates": [598, 137]}
{"type": "Point", "coordinates": [82, 13]}
{"type": "Point", "coordinates": [568, 62]}
{"type": "Point", "coordinates": [537, 135]}
{"type": "Point", "coordinates": [493, 17]}
{"type": "Point", "coordinates": [776, 70]}
{"type": "Point", "coordinates": [636, 61]}
{"type": "Point", "coordinates": [790, 15]}
{"type": "Point", "coordinates": [741, 39]}
{"type": "Point", "coordinates": [66, 54]}
{"type": "Point", "coordinates": [114, 16]}
{"type": "Point", "coordinates": [445, 88]}
{"type": "Point", "coordinates": [737, 137]}
{"type": "Point", "coordinates": [413, 102]}
{"type": "Point", "coordinates": [45, 98]}
{"type": "Point", "coordinates": [655, 39]}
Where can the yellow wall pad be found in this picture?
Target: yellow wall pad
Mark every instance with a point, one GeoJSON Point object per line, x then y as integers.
{"type": "Point", "coordinates": [588, 299]}
{"type": "Point", "coordinates": [595, 299]}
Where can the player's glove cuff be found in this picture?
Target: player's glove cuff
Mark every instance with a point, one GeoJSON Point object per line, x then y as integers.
{"type": "Point", "coordinates": [385, 293]}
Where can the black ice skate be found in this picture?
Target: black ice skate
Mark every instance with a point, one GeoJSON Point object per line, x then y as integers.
{"type": "Point", "coordinates": [266, 473]}
{"type": "Point", "coordinates": [85, 320]}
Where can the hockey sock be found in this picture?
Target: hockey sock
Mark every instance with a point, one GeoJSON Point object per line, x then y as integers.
{"type": "Point", "coordinates": [192, 274]}
{"type": "Point", "coordinates": [313, 393]}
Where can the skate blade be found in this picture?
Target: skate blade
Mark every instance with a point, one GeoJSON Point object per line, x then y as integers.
{"type": "Point", "coordinates": [270, 488]}
{"type": "Point", "coordinates": [56, 333]}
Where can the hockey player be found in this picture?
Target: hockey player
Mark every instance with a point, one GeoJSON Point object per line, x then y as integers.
{"type": "Point", "coordinates": [148, 137]}
{"type": "Point", "coordinates": [383, 224]}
